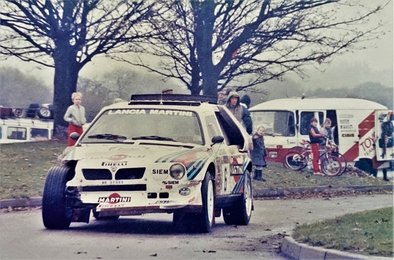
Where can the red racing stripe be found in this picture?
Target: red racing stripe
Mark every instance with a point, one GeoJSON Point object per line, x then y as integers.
{"type": "Point", "coordinates": [366, 125]}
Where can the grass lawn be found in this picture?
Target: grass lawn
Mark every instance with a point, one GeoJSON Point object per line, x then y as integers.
{"type": "Point", "coordinates": [368, 233]}
{"type": "Point", "coordinates": [24, 167]}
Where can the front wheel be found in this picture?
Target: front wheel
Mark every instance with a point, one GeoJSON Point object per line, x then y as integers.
{"type": "Point", "coordinates": [330, 165]}
{"type": "Point", "coordinates": [241, 212]}
{"type": "Point", "coordinates": [295, 161]}
{"type": "Point", "coordinates": [206, 218]}
{"type": "Point", "coordinates": [55, 212]}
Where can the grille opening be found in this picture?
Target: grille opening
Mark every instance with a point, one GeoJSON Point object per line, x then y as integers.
{"type": "Point", "coordinates": [97, 174]}
{"type": "Point", "coordinates": [164, 195]}
{"type": "Point", "coordinates": [135, 187]}
{"type": "Point", "coordinates": [152, 195]}
{"type": "Point", "coordinates": [129, 174]}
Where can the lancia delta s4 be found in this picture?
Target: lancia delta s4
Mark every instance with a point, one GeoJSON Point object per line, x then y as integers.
{"type": "Point", "coordinates": [177, 154]}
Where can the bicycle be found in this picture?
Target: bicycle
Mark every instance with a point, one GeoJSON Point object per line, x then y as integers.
{"type": "Point", "coordinates": [300, 157]}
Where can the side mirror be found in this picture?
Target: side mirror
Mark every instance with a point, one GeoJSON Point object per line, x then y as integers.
{"type": "Point", "coordinates": [74, 136]}
{"type": "Point", "coordinates": [217, 139]}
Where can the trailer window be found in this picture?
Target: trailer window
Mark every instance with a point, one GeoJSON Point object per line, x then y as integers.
{"type": "Point", "coordinates": [39, 133]}
{"type": "Point", "coordinates": [16, 133]}
{"type": "Point", "coordinates": [279, 123]}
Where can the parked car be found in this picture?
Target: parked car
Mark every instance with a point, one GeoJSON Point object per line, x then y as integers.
{"type": "Point", "coordinates": [169, 153]}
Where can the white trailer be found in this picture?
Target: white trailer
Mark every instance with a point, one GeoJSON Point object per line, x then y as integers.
{"type": "Point", "coordinates": [357, 127]}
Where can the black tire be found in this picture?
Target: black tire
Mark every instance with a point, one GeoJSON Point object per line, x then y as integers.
{"type": "Point", "coordinates": [104, 218]}
{"type": "Point", "coordinates": [206, 218]}
{"type": "Point", "coordinates": [55, 213]}
{"type": "Point", "coordinates": [294, 160]}
{"type": "Point", "coordinates": [330, 165]}
{"type": "Point", "coordinates": [241, 212]}
{"type": "Point", "coordinates": [44, 113]}
{"type": "Point", "coordinates": [18, 112]}
{"type": "Point", "coordinates": [343, 161]}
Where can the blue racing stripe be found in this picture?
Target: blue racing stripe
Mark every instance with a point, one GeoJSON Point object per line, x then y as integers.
{"type": "Point", "coordinates": [195, 169]}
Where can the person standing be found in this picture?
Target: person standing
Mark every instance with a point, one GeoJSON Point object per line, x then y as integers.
{"type": "Point", "coordinates": [316, 138]}
{"type": "Point", "coordinates": [259, 153]}
{"type": "Point", "coordinates": [326, 130]}
{"type": "Point", "coordinates": [245, 100]}
{"type": "Point", "coordinates": [75, 116]}
{"type": "Point", "coordinates": [240, 112]}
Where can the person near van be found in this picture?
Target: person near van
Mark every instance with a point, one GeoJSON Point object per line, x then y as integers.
{"type": "Point", "coordinates": [240, 112]}
{"type": "Point", "coordinates": [259, 153]}
{"type": "Point", "coordinates": [386, 137]}
{"type": "Point", "coordinates": [326, 130]}
{"type": "Point", "coordinates": [245, 100]}
{"type": "Point", "coordinates": [316, 138]}
{"type": "Point", "coordinates": [75, 116]}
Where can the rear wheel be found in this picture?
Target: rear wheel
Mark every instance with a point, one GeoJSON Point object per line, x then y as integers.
{"type": "Point", "coordinates": [330, 165]}
{"type": "Point", "coordinates": [55, 212]}
{"type": "Point", "coordinates": [207, 217]}
{"type": "Point", "coordinates": [241, 212]}
{"type": "Point", "coordinates": [294, 160]}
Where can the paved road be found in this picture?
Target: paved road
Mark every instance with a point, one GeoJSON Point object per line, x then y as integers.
{"type": "Point", "coordinates": [22, 235]}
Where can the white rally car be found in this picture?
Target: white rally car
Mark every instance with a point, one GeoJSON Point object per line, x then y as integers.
{"type": "Point", "coordinates": [178, 154]}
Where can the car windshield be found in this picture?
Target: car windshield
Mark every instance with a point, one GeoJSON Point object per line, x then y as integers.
{"type": "Point", "coordinates": [145, 124]}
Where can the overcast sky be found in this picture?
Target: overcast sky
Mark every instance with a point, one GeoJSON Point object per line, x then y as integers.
{"type": "Point", "coordinates": [374, 64]}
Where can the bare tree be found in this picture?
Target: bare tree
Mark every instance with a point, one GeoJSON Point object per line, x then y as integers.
{"type": "Point", "coordinates": [67, 34]}
{"type": "Point", "coordinates": [242, 43]}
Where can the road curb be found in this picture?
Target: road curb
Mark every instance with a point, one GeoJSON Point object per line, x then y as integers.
{"type": "Point", "coordinates": [282, 192]}
{"type": "Point", "coordinates": [21, 203]}
{"type": "Point", "coordinates": [300, 251]}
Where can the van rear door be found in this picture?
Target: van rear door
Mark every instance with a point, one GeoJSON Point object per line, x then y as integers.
{"type": "Point", "coordinates": [384, 125]}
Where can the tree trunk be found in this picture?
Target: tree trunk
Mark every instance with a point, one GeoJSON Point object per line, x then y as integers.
{"type": "Point", "coordinates": [65, 83]}
{"type": "Point", "coordinates": [204, 15]}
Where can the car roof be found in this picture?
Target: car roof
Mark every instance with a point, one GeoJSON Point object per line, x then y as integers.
{"type": "Point", "coordinates": [168, 101]}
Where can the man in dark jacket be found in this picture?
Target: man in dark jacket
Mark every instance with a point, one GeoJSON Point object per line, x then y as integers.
{"type": "Point", "coordinates": [240, 112]}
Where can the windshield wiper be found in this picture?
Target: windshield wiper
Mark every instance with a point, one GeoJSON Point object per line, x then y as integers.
{"type": "Point", "coordinates": [108, 137]}
{"type": "Point", "coordinates": [153, 137]}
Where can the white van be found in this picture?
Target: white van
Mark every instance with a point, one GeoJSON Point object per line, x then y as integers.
{"type": "Point", "coordinates": [356, 121]}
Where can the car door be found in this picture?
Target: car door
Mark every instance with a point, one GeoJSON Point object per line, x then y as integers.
{"type": "Point", "coordinates": [232, 156]}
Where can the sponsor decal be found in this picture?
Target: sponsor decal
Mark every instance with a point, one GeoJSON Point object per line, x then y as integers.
{"type": "Point", "coordinates": [347, 135]}
{"type": "Point", "coordinates": [170, 112]}
{"type": "Point", "coordinates": [118, 157]}
{"type": "Point", "coordinates": [160, 171]}
{"type": "Point", "coordinates": [109, 164]}
{"type": "Point", "coordinates": [113, 199]}
{"type": "Point", "coordinates": [127, 112]}
{"type": "Point", "coordinates": [150, 112]}
{"type": "Point", "coordinates": [162, 202]}
{"type": "Point", "coordinates": [170, 182]}
{"type": "Point", "coordinates": [367, 146]}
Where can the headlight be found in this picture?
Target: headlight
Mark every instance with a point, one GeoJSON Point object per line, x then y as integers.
{"type": "Point", "coordinates": [177, 171]}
